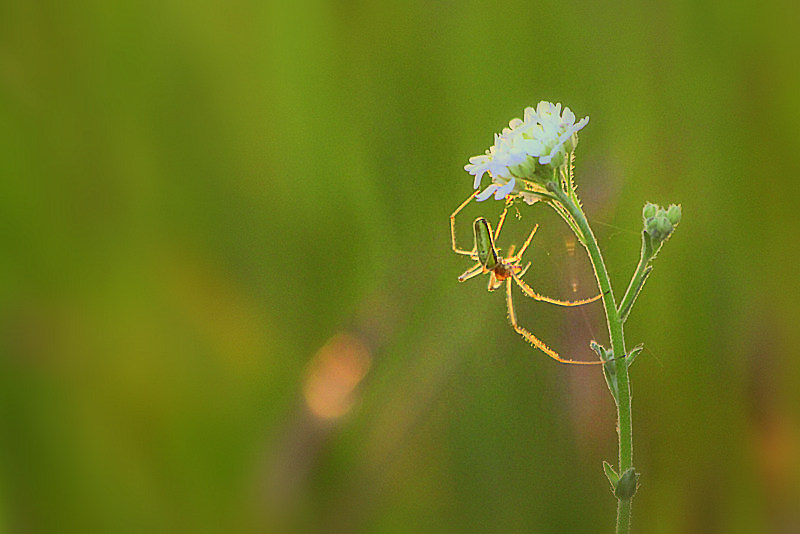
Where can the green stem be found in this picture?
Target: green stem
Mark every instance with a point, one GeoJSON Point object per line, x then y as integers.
{"type": "Point", "coordinates": [623, 516]}
{"type": "Point", "coordinates": [649, 251]}
{"type": "Point", "coordinates": [634, 288]}
{"type": "Point", "coordinates": [567, 218]}
{"type": "Point", "coordinates": [615, 332]}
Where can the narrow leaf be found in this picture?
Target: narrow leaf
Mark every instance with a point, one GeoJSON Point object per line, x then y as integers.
{"type": "Point", "coordinates": [611, 475]}
{"type": "Point", "coordinates": [635, 351]}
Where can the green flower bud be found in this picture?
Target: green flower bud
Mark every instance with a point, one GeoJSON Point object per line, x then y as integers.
{"type": "Point", "coordinates": [627, 485]}
{"type": "Point", "coordinates": [651, 226]}
{"type": "Point", "coordinates": [660, 223]}
{"type": "Point", "coordinates": [674, 214]}
{"type": "Point", "coordinates": [663, 224]}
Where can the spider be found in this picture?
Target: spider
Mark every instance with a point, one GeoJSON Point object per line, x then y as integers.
{"type": "Point", "coordinates": [505, 269]}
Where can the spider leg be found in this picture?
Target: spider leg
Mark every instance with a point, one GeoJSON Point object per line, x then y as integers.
{"type": "Point", "coordinates": [494, 283]}
{"type": "Point", "coordinates": [471, 272]}
{"type": "Point", "coordinates": [528, 290]}
{"type": "Point", "coordinates": [525, 244]}
{"type": "Point", "coordinates": [502, 219]}
{"type": "Point", "coordinates": [457, 250]}
{"type": "Point", "coordinates": [533, 340]}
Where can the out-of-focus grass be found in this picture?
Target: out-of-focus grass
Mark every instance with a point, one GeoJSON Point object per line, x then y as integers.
{"type": "Point", "coordinates": [196, 199]}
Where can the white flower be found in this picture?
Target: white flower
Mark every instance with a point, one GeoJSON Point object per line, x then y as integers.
{"type": "Point", "coordinates": [539, 138]}
{"type": "Point", "coordinates": [506, 152]}
{"type": "Point", "coordinates": [546, 129]}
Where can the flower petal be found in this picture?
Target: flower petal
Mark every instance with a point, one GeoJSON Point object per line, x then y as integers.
{"type": "Point", "coordinates": [568, 117]}
{"type": "Point", "coordinates": [514, 123]}
{"type": "Point", "coordinates": [486, 193]}
{"type": "Point", "coordinates": [506, 189]}
{"type": "Point", "coordinates": [477, 182]}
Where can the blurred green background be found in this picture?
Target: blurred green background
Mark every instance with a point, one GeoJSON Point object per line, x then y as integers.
{"type": "Point", "coordinates": [228, 301]}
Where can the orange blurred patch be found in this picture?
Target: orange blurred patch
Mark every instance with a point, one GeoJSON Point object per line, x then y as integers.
{"type": "Point", "coordinates": [333, 374]}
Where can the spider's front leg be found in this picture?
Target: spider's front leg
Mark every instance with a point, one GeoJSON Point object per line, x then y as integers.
{"type": "Point", "coordinates": [472, 272]}
{"type": "Point", "coordinates": [525, 245]}
{"type": "Point", "coordinates": [470, 253]}
{"type": "Point", "coordinates": [502, 218]}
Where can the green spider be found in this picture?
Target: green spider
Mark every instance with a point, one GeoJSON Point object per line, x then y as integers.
{"type": "Point", "coordinates": [504, 270]}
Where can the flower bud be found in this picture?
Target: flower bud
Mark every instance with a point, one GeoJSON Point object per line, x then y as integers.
{"type": "Point", "coordinates": [663, 224]}
{"type": "Point", "coordinates": [659, 223]}
{"type": "Point", "coordinates": [627, 484]}
{"type": "Point", "coordinates": [656, 227]}
{"type": "Point", "coordinates": [651, 226]}
{"type": "Point", "coordinates": [674, 214]}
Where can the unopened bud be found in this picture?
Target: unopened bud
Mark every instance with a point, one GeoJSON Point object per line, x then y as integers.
{"type": "Point", "coordinates": [651, 227]}
{"type": "Point", "coordinates": [663, 224]}
{"type": "Point", "coordinates": [659, 225]}
{"type": "Point", "coordinates": [674, 214]}
{"type": "Point", "coordinates": [627, 485]}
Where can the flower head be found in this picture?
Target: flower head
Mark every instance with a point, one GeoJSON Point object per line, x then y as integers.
{"type": "Point", "coordinates": [542, 138]}
{"type": "Point", "coordinates": [548, 129]}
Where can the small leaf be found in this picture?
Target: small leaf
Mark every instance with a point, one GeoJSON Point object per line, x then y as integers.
{"type": "Point", "coordinates": [609, 368]}
{"type": "Point", "coordinates": [599, 349]}
{"type": "Point", "coordinates": [635, 351]}
{"type": "Point", "coordinates": [611, 475]}
{"type": "Point", "coordinates": [610, 372]}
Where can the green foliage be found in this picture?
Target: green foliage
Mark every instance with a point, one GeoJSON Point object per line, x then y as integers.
{"type": "Point", "coordinates": [196, 197]}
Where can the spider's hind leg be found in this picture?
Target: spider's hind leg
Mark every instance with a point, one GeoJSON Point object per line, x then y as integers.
{"type": "Point", "coordinates": [528, 290]}
{"type": "Point", "coordinates": [533, 340]}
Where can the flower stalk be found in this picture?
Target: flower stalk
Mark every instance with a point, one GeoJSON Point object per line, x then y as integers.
{"type": "Point", "coordinates": [532, 160]}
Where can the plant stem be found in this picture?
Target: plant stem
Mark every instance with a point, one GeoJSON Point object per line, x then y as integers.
{"type": "Point", "coordinates": [634, 288]}
{"type": "Point", "coordinates": [639, 277]}
{"type": "Point", "coordinates": [615, 332]}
